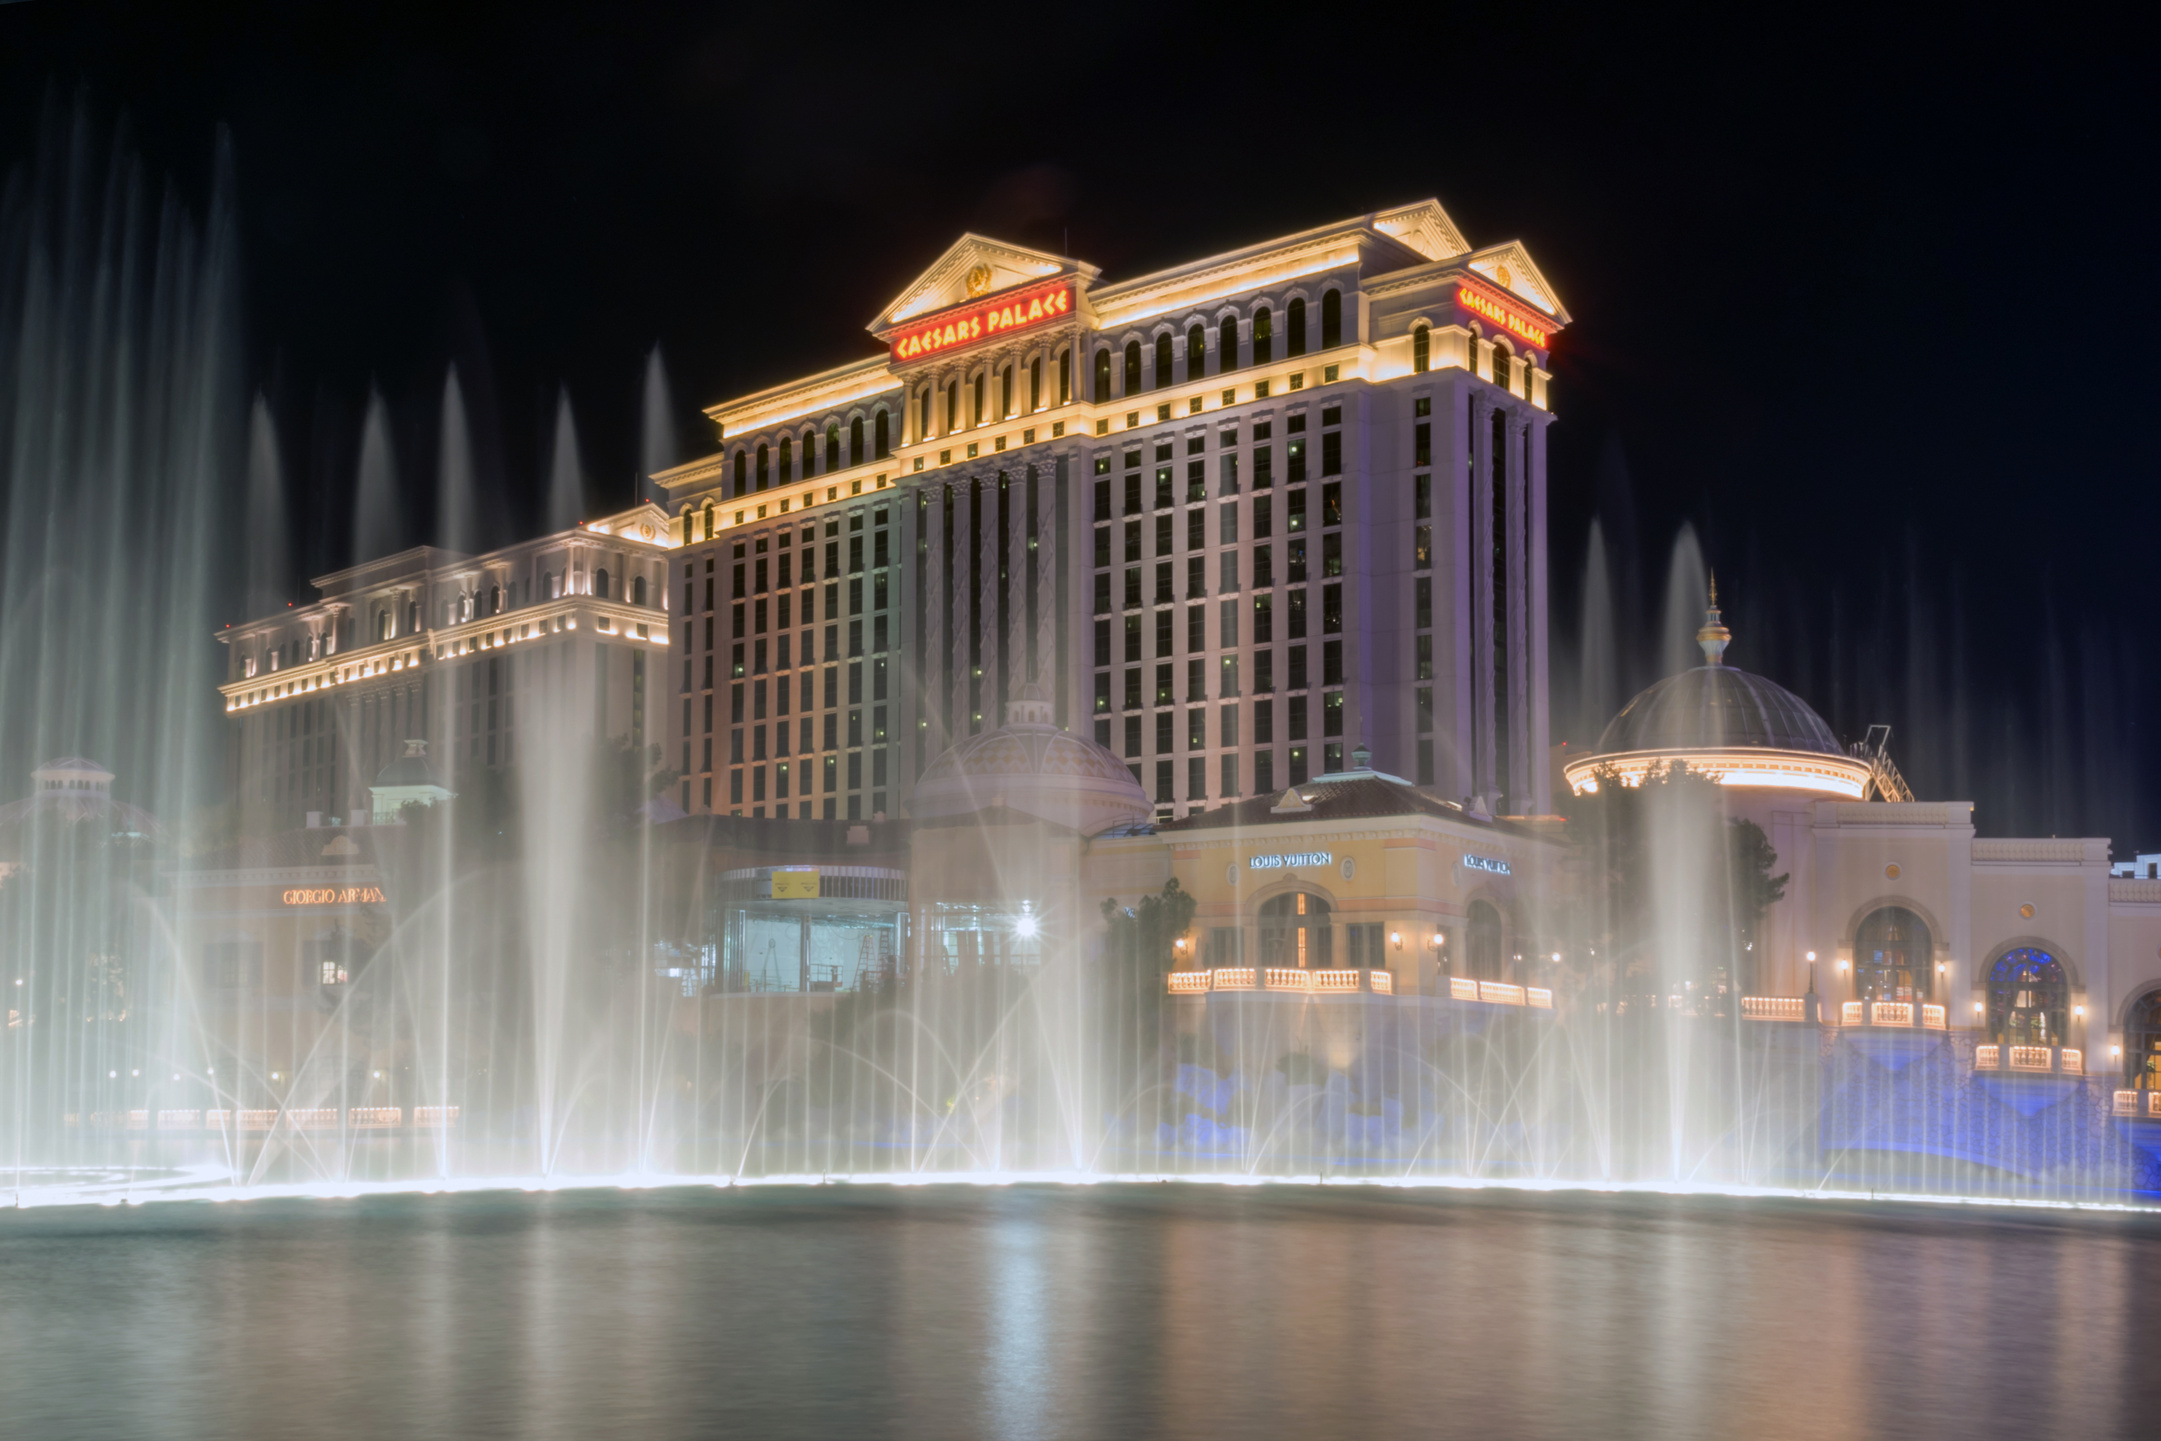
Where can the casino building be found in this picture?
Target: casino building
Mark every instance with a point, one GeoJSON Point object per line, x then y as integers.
{"type": "Point", "coordinates": [1234, 519]}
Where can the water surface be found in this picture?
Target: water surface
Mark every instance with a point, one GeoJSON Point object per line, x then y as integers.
{"type": "Point", "coordinates": [1170, 1310]}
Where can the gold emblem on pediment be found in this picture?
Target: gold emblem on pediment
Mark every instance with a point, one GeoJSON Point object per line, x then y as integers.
{"type": "Point", "coordinates": [978, 280]}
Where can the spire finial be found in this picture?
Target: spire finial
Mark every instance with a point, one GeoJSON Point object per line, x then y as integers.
{"type": "Point", "coordinates": [1713, 635]}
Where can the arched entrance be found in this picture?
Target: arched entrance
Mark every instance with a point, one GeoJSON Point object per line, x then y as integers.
{"type": "Point", "coordinates": [1893, 958]}
{"type": "Point", "coordinates": [2142, 1044]}
{"type": "Point", "coordinates": [1485, 937]}
{"type": "Point", "coordinates": [2028, 998]}
{"type": "Point", "coordinates": [1295, 932]}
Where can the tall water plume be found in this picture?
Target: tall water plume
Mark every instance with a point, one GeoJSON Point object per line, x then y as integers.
{"type": "Point", "coordinates": [122, 423]}
{"type": "Point", "coordinates": [378, 503]}
{"type": "Point", "coordinates": [1598, 693]}
{"type": "Point", "coordinates": [269, 545]}
{"type": "Point", "coordinates": [656, 426]}
{"type": "Point", "coordinates": [457, 517]}
{"type": "Point", "coordinates": [566, 472]}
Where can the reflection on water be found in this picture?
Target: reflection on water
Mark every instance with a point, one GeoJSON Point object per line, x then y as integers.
{"type": "Point", "coordinates": [1103, 1311]}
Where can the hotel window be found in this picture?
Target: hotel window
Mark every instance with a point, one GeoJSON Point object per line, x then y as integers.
{"type": "Point", "coordinates": [1263, 619]}
{"type": "Point", "coordinates": [1163, 732]}
{"type": "Point", "coordinates": [600, 586]}
{"type": "Point", "coordinates": [855, 441]}
{"type": "Point", "coordinates": [1332, 723]}
{"type": "Point", "coordinates": [1133, 367]}
{"type": "Point", "coordinates": [1005, 392]}
{"type": "Point", "coordinates": [1331, 609]}
{"type": "Point", "coordinates": [1421, 350]}
{"type": "Point", "coordinates": [1035, 384]}
{"type": "Point", "coordinates": [882, 435]}
{"type": "Point", "coordinates": [1165, 349]}
{"type": "Point", "coordinates": [1422, 497]}
{"type": "Point", "coordinates": [763, 465]}
{"type": "Point", "coordinates": [1294, 321]}
{"type": "Point", "coordinates": [637, 593]}
{"type": "Point", "coordinates": [1230, 775]}
{"type": "Point", "coordinates": [742, 473]}
{"type": "Point", "coordinates": [923, 413]}
{"type": "Point", "coordinates": [1500, 366]}
{"type": "Point", "coordinates": [832, 444]}
{"type": "Point", "coordinates": [952, 407]}
{"type": "Point", "coordinates": [1227, 345]}
{"type": "Point", "coordinates": [1263, 335]}
{"type": "Point", "coordinates": [1133, 638]}
{"type": "Point", "coordinates": [810, 451]}
{"type": "Point", "coordinates": [1102, 392]}
{"type": "Point", "coordinates": [1331, 319]}
{"type": "Point", "coordinates": [1264, 567]}
{"type": "Point", "coordinates": [1196, 352]}
{"type": "Point", "coordinates": [1065, 376]}
{"type": "Point", "coordinates": [976, 387]}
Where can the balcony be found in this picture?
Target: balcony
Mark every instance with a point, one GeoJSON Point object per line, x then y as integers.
{"type": "Point", "coordinates": [1774, 1008]}
{"type": "Point", "coordinates": [2139, 1105]}
{"type": "Point", "coordinates": [2029, 1060]}
{"type": "Point", "coordinates": [1499, 993]}
{"type": "Point", "coordinates": [1281, 979]}
{"type": "Point", "coordinates": [1903, 1015]}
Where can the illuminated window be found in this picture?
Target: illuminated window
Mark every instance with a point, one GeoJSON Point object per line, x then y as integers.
{"type": "Point", "coordinates": [832, 444]}
{"type": "Point", "coordinates": [1196, 352]}
{"type": "Point", "coordinates": [1500, 366]}
{"type": "Point", "coordinates": [1133, 367]}
{"type": "Point", "coordinates": [1035, 384]}
{"type": "Point", "coordinates": [1264, 322]}
{"type": "Point", "coordinates": [1165, 349]}
{"type": "Point", "coordinates": [1892, 957]}
{"type": "Point", "coordinates": [762, 465]}
{"type": "Point", "coordinates": [2142, 1044]}
{"type": "Point", "coordinates": [1103, 375]}
{"type": "Point", "coordinates": [1294, 320]}
{"type": "Point", "coordinates": [1421, 349]}
{"type": "Point", "coordinates": [1227, 345]}
{"type": "Point", "coordinates": [1331, 319]}
{"type": "Point", "coordinates": [2028, 996]}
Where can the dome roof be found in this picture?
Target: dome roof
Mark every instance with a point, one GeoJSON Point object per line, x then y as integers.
{"type": "Point", "coordinates": [1031, 765]}
{"type": "Point", "coordinates": [410, 769]}
{"type": "Point", "coordinates": [1716, 707]}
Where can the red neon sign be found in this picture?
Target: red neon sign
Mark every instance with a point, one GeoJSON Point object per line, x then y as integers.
{"type": "Point", "coordinates": [1499, 314]}
{"type": "Point", "coordinates": [983, 320]}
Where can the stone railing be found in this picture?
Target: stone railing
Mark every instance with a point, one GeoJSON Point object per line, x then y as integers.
{"type": "Point", "coordinates": [1282, 978]}
{"type": "Point", "coordinates": [2145, 1104]}
{"type": "Point", "coordinates": [2031, 848]}
{"type": "Point", "coordinates": [2030, 1060]}
{"type": "Point", "coordinates": [1774, 1008]}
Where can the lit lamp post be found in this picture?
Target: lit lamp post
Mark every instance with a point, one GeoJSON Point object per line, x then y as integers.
{"type": "Point", "coordinates": [1812, 1004]}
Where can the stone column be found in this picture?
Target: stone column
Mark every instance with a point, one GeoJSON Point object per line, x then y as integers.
{"type": "Point", "coordinates": [1483, 609]}
{"type": "Point", "coordinates": [929, 685]}
{"type": "Point", "coordinates": [1517, 782]}
{"type": "Point", "coordinates": [1046, 583]}
{"type": "Point", "coordinates": [986, 607]}
{"type": "Point", "coordinates": [957, 656]}
{"type": "Point", "coordinates": [1014, 672]}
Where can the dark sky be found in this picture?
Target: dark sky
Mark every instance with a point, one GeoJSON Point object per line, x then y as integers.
{"type": "Point", "coordinates": [1854, 298]}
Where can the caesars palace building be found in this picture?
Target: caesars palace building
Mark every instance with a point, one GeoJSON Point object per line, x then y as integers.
{"type": "Point", "coordinates": [1235, 573]}
{"type": "Point", "coordinates": [1233, 519]}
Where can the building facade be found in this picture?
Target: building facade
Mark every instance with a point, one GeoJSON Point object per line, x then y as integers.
{"type": "Point", "coordinates": [460, 652]}
{"type": "Point", "coordinates": [1234, 519]}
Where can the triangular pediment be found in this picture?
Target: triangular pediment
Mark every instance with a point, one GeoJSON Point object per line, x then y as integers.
{"type": "Point", "coordinates": [1509, 266]}
{"type": "Point", "coordinates": [1424, 227]}
{"type": "Point", "coordinates": [976, 265]}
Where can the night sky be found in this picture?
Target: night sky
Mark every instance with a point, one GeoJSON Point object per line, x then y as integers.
{"type": "Point", "coordinates": [1858, 302]}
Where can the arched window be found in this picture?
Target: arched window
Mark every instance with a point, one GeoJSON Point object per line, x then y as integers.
{"type": "Point", "coordinates": [1892, 957]}
{"type": "Point", "coordinates": [922, 419]}
{"type": "Point", "coordinates": [382, 625]}
{"type": "Point", "coordinates": [1133, 367]}
{"type": "Point", "coordinates": [764, 462]}
{"type": "Point", "coordinates": [709, 519]}
{"type": "Point", "coordinates": [600, 584]}
{"type": "Point", "coordinates": [742, 473]}
{"type": "Point", "coordinates": [1166, 348]}
{"type": "Point", "coordinates": [2028, 998]}
{"type": "Point", "coordinates": [1295, 932]}
{"type": "Point", "coordinates": [637, 590]}
{"type": "Point", "coordinates": [1331, 319]}
{"type": "Point", "coordinates": [1035, 385]}
{"type": "Point", "coordinates": [1103, 375]}
{"type": "Point", "coordinates": [810, 453]}
{"type": "Point", "coordinates": [1294, 322]}
{"type": "Point", "coordinates": [1470, 350]}
{"type": "Point", "coordinates": [1500, 366]}
{"type": "Point", "coordinates": [2142, 1044]}
{"type": "Point", "coordinates": [1227, 345]}
{"type": "Point", "coordinates": [495, 600]}
{"type": "Point", "coordinates": [880, 434]}
{"type": "Point", "coordinates": [1065, 376]}
{"type": "Point", "coordinates": [1264, 334]}
{"type": "Point", "coordinates": [952, 406]}
{"type": "Point", "coordinates": [976, 388]}
{"type": "Point", "coordinates": [1005, 393]}
{"type": "Point", "coordinates": [787, 464]}
{"type": "Point", "coordinates": [855, 440]}
{"type": "Point", "coordinates": [1484, 958]}
{"type": "Point", "coordinates": [832, 444]}
{"type": "Point", "coordinates": [412, 616]}
{"type": "Point", "coordinates": [1421, 349]}
{"type": "Point", "coordinates": [1196, 352]}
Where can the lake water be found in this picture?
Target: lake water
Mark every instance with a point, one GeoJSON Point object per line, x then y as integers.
{"type": "Point", "coordinates": [1175, 1310]}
